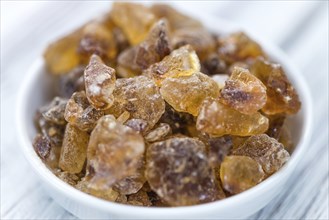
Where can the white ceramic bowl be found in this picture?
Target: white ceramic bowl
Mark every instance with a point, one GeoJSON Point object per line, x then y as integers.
{"type": "Point", "coordinates": [38, 88]}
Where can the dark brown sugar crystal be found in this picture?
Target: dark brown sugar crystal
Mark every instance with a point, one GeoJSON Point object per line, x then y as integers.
{"type": "Point", "coordinates": [177, 169]}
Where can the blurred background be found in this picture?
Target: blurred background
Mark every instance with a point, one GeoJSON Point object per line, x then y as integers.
{"type": "Point", "coordinates": [300, 28]}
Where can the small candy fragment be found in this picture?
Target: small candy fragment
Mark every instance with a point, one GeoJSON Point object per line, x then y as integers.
{"type": "Point", "coordinates": [176, 19]}
{"type": "Point", "coordinates": [177, 169]}
{"type": "Point", "coordinates": [158, 133]}
{"type": "Point", "coordinates": [54, 111]}
{"type": "Point", "coordinates": [155, 47]}
{"type": "Point", "coordinates": [239, 173]}
{"type": "Point", "coordinates": [138, 125]}
{"type": "Point", "coordinates": [281, 95]}
{"type": "Point", "coordinates": [244, 92]}
{"type": "Point", "coordinates": [135, 20]}
{"type": "Point", "coordinates": [133, 183]}
{"type": "Point", "coordinates": [114, 152]}
{"type": "Point", "coordinates": [121, 199]}
{"type": "Point", "coordinates": [245, 65]}
{"type": "Point", "coordinates": [140, 97]}
{"type": "Point", "coordinates": [61, 56]}
{"type": "Point", "coordinates": [54, 132]}
{"type": "Point", "coordinates": [80, 113]}
{"type": "Point", "coordinates": [99, 83]}
{"type": "Point", "coordinates": [127, 66]}
{"type": "Point", "coordinates": [275, 125]}
{"type": "Point", "coordinates": [140, 198]}
{"type": "Point", "coordinates": [237, 141]}
{"type": "Point", "coordinates": [120, 40]}
{"type": "Point", "coordinates": [46, 151]}
{"type": "Point", "coordinates": [186, 93]}
{"type": "Point", "coordinates": [153, 197]}
{"type": "Point", "coordinates": [238, 47]}
{"type": "Point", "coordinates": [106, 193]}
{"type": "Point", "coordinates": [212, 65]}
{"type": "Point", "coordinates": [218, 148]}
{"type": "Point", "coordinates": [218, 119]}
{"type": "Point", "coordinates": [69, 178]}
{"type": "Point", "coordinates": [178, 121]}
{"type": "Point", "coordinates": [42, 146]}
{"type": "Point", "coordinates": [199, 38]}
{"type": "Point", "coordinates": [74, 149]}
{"type": "Point", "coordinates": [156, 200]}
{"type": "Point", "coordinates": [97, 38]}
{"type": "Point", "coordinates": [180, 62]}
{"type": "Point", "coordinates": [72, 82]}
{"type": "Point", "coordinates": [268, 152]}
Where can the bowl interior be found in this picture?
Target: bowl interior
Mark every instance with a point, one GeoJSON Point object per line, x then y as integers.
{"type": "Point", "coordinates": [40, 87]}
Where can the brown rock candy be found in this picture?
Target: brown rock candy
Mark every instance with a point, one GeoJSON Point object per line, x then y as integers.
{"type": "Point", "coordinates": [140, 97]}
{"type": "Point", "coordinates": [180, 62]}
{"type": "Point", "coordinates": [67, 177]}
{"type": "Point", "coordinates": [71, 82]}
{"type": "Point", "coordinates": [244, 92]}
{"type": "Point", "coordinates": [132, 183]}
{"type": "Point", "coordinates": [158, 133]}
{"type": "Point", "coordinates": [100, 83]}
{"type": "Point", "coordinates": [238, 47]}
{"type": "Point", "coordinates": [156, 46]}
{"type": "Point", "coordinates": [218, 148]}
{"type": "Point", "coordinates": [46, 151]}
{"type": "Point", "coordinates": [80, 113]}
{"type": "Point", "coordinates": [140, 198]}
{"type": "Point", "coordinates": [237, 141]}
{"type": "Point", "coordinates": [217, 119]}
{"type": "Point", "coordinates": [54, 111]}
{"type": "Point", "coordinates": [42, 146]}
{"type": "Point", "coordinates": [114, 152]}
{"type": "Point", "coordinates": [61, 56]}
{"type": "Point", "coordinates": [138, 125]}
{"type": "Point", "coordinates": [178, 121]}
{"type": "Point", "coordinates": [97, 38]}
{"type": "Point", "coordinates": [177, 169]}
{"type": "Point", "coordinates": [239, 173]}
{"type": "Point", "coordinates": [121, 199]}
{"type": "Point", "coordinates": [127, 66]}
{"type": "Point", "coordinates": [281, 95]}
{"type": "Point", "coordinates": [268, 152]}
{"type": "Point", "coordinates": [212, 65]}
{"type": "Point", "coordinates": [176, 19]}
{"type": "Point", "coordinates": [120, 40]}
{"type": "Point", "coordinates": [53, 132]}
{"type": "Point", "coordinates": [199, 38]}
{"type": "Point", "coordinates": [135, 20]}
{"type": "Point", "coordinates": [186, 93]}
{"type": "Point", "coordinates": [74, 150]}
{"type": "Point", "coordinates": [106, 193]}
{"type": "Point", "coordinates": [241, 64]}
{"type": "Point", "coordinates": [275, 125]}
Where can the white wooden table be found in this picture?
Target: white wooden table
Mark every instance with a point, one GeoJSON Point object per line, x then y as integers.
{"type": "Point", "coordinates": [299, 28]}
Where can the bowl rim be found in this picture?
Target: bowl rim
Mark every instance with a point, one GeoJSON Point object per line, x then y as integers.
{"type": "Point", "coordinates": [38, 68]}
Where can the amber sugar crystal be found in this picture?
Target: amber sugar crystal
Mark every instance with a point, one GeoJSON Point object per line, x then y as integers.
{"type": "Point", "coordinates": [153, 109]}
